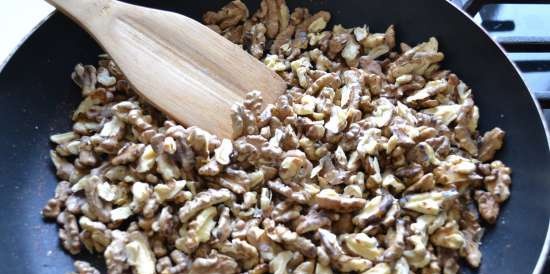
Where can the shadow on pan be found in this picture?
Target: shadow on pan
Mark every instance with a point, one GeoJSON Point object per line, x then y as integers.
{"type": "Point", "coordinates": [37, 98]}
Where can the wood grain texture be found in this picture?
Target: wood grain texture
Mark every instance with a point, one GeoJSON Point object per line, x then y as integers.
{"type": "Point", "coordinates": [186, 70]}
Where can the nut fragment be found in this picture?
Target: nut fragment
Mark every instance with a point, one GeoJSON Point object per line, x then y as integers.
{"type": "Point", "coordinates": [363, 245]}
{"type": "Point", "coordinates": [448, 236]}
{"type": "Point", "coordinates": [329, 199]}
{"type": "Point", "coordinates": [374, 210]}
{"type": "Point", "coordinates": [140, 256]}
{"type": "Point", "coordinates": [487, 205]}
{"type": "Point", "coordinates": [490, 142]}
{"type": "Point", "coordinates": [427, 203]}
{"type": "Point", "coordinates": [223, 152]}
{"type": "Point", "coordinates": [201, 201]}
{"type": "Point", "coordinates": [85, 268]}
{"type": "Point", "coordinates": [214, 263]}
{"type": "Point", "coordinates": [279, 264]}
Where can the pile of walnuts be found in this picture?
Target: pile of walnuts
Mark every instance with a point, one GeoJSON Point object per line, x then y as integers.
{"type": "Point", "coordinates": [370, 163]}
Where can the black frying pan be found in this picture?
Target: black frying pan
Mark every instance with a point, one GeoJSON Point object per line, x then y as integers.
{"type": "Point", "coordinates": [37, 98]}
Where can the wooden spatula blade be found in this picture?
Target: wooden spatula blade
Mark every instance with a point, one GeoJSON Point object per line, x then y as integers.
{"type": "Point", "coordinates": [182, 67]}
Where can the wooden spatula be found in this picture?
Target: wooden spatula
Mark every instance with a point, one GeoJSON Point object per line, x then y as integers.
{"type": "Point", "coordinates": [188, 71]}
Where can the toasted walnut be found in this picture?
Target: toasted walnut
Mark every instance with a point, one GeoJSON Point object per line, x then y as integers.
{"type": "Point", "coordinates": [498, 183]}
{"type": "Point", "coordinates": [68, 234]}
{"type": "Point", "coordinates": [279, 264]}
{"type": "Point", "coordinates": [168, 191]}
{"type": "Point", "coordinates": [470, 250]}
{"type": "Point", "coordinates": [95, 204]}
{"type": "Point", "coordinates": [286, 211]}
{"type": "Point", "coordinates": [182, 263]}
{"type": "Point", "coordinates": [291, 240]}
{"type": "Point", "coordinates": [306, 267]}
{"type": "Point", "coordinates": [445, 113]}
{"type": "Point", "coordinates": [65, 170]}
{"type": "Point", "coordinates": [214, 263]}
{"type": "Point", "coordinates": [242, 251]}
{"type": "Point", "coordinates": [448, 236]}
{"type": "Point", "coordinates": [487, 205]}
{"type": "Point", "coordinates": [401, 266]}
{"type": "Point", "coordinates": [139, 253]}
{"type": "Point", "coordinates": [424, 184]}
{"type": "Point", "coordinates": [363, 245]}
{"type": "Point", "coordinates": [395, 240]}
{"type": "Point", "coordinates": [121, 213]}
{"type": "Point", "coordinates": [198, 230]}
{"type": "Point", "coordinates": [99, 236]}
{"type": "Point", "coordinates": [296, 194]}
{"type": "Point", "coordinates": [259, 238]}
{"type": "Point", "coordinates": [432, 88]}
{"type": "Point", "coordinates": [223, 152]}
{"type": "Point", "coordinates": [418, 256]}
{"type": "Point", "coordinates": [381, 268]}
{"type": "Point", "coordinates": [52, 208]}
{"type": "Point", "coordinates": [230, 15]}
{"type": "Point", "coordinates": [201, 201]}
{"type": "Point", "coordinates": [338, 258]}
{"type": "Point", "coordinates": [490, 142]}
{"type": "Point", "coordinates": [85, 268]}
{"type": "Point", "coordinates": [370, 162]}
{"type": "Point", "coordinates": [374, 210]}
{"type": "Point", "coordinates": [329, 199]}
{"type": "Point", "coordinates": [454, 170]}
{"type": "Point", "coordinates": [85, 77]}
{"type": "Point", "coordinates": [312, 221]}
{"type": "Point", "coordinates": [416, 60]}
{"type": "Point", "coordinates": [427, 203]}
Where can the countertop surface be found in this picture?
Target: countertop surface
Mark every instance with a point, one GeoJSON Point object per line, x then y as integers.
{"type": "Point", "coordinates": [17, 19]}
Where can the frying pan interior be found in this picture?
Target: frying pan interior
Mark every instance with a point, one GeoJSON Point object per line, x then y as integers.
{"type": "Point", "coordinates": [37, 98]}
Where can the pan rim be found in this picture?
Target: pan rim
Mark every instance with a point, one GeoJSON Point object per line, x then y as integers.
{"type": "Point", "coordinates": [545, 250]}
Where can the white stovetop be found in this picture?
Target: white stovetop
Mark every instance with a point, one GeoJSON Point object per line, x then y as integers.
{"type": "Point", "coordinates": [17, 19]}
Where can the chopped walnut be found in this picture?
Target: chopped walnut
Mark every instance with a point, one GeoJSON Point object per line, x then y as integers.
{"type": "Point", "coordinates": [381, 268]}
{"type": "Point", "coordinates": [498, 183]}
{"type": "Point", "coordinates": [371, 162]}
{"type": "Point", "coordinates": [427, 203]}
{"type": "Point", "coordinates": [85, 268]}
{"type": "Point", "coordinates": [202, 201]}
{"type": "Point", "coordinates": [338, 258]}
{"type": "Point", "coordinates": [363, 245]}
{"type": "Point", "coordinates": [490, 142]}
{"type": "Point", "coordinates": [97, 236]}
{"type": "Point", "coordinates": [487, 205]}
{"type": "Point", "coordinates": [214, 263]}
{"type": "Point", "coordinates": [291, 240]}
{"type": "Point", "coordinates": [374, 210]}
{"type": "Point", "coordinates": [229, 16]}
{"type": "Point", "coordinates": [198, 231]}
{"type": "Point", "coordinates": [69, 232]}
{"type": "Point", "coordinates": [448, 236]}
{"type": "Point", "coordinates": [279, 264]}
{"type": "Point", "coordinates": [139, 253]}
{"type": "Point", "coordinates": [242, 251]}
{"type": "Point", "coordinates": [330, 199]}
{"type": "Point", "coordinates": [85, 77]}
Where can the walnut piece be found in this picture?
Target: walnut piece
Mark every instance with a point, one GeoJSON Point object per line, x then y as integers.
{"type": "Point", "coordinates": [201, 201]}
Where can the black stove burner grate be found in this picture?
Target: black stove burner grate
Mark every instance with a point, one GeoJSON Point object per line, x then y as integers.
{"type": "Point", "coordinates": [517, 43]}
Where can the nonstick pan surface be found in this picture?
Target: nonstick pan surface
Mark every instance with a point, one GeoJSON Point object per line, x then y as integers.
{"type": "Point", "coordinates": [37, 98]}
